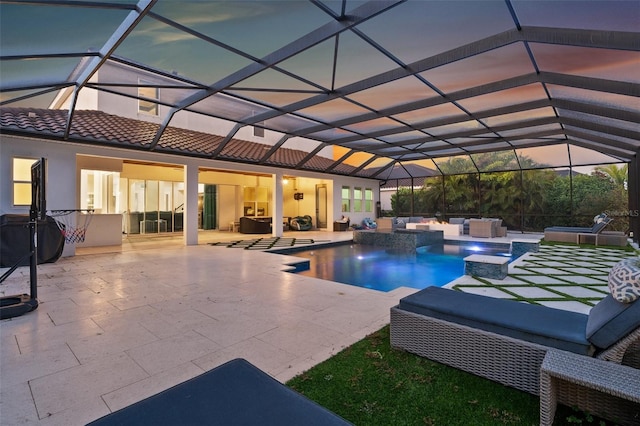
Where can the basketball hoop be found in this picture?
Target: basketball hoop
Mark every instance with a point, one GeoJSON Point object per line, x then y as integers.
{"type": "Point", "coordinates": [73, 227]}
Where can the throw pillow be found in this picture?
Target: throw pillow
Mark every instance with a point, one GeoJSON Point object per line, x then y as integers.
{"type": "Point", "coordinates": [624, 280]}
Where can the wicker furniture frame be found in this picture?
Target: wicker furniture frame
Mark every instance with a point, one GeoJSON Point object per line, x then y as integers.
{"type": "Point", "coordinates": [606, 238]}
{"type": "Point", "coordinates": [487, 228]}
{"type": "Point", "coordinates": [602, 388]}
{"type": "Point", "coordinates": [482, 228]}
{"type": "Point", "coordinates": [512, 362]}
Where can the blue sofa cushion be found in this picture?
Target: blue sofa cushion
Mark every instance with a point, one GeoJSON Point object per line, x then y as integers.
{"type": "Point", "coordinates": [533, 323]}
{"type": "Point", "coordinates": [609, 321]}
{"type": "Point", "coordinates": [401, 222]}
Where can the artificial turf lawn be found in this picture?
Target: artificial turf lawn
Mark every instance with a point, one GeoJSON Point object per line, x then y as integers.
{"type": "Point", "coordinates": [369, 383]}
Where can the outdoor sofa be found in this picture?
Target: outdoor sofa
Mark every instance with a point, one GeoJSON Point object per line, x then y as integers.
{"type": "Point", "coordinates": [255, 225]}
{"type": "Point", "coordinates": [487, 228]}
{"type": "Point", "coordinates": [506, 341]}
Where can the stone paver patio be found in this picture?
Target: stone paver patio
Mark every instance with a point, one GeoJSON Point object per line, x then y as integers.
{"type": "Point", "coordinates": [115, 327]}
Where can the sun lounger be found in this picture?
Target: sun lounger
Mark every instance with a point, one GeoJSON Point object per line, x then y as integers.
{"type": "Point", "coordinates": [506, 341]}
{"type": "Point", "coordinates": [573, 234]}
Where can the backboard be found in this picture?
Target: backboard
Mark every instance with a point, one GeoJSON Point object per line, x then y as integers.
{"type": "Point", "coordinates": [39, 189]}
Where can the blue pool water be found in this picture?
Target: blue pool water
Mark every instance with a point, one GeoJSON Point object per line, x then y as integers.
{"type": "Point", "coordinates": [375, 268]}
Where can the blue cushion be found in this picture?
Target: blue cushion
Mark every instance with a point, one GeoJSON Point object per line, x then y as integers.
{"type": "Point", "coordinates": [533, 323]}
{"type": "Point", "coordinates": [235, 393]}
{"type": "Point", "coordinates": [599, 227]}
{"type": "Point", "coordinates": [402, 221]}
{"type": "Point", "coordinates": [568, 229]}
{"type": "Point", "coordinates": [609, 321]}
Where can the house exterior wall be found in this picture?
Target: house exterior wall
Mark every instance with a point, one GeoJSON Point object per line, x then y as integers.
{"type": "Point", "coordinates": [65, 160]}
{"type": "Point", "coordinates": [64, 170]}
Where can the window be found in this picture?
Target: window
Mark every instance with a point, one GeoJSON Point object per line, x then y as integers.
{"type": "Point", "coordinates": [357, 199]}
{"type": "Point", "coordinates": [346, 199]}
{"type": "Point", "coordinates": [22, 181]}
{"type": "Point", "coordinates": [145, 106]}
{"type": "Point", "coordinates": [368, 200]}
{"type": "Point", "coordinates": [100, 191]}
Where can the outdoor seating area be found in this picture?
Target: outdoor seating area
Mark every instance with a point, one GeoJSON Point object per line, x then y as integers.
{"type": "Point", "coordinates": [507, 342]}
{"type": "Point", "coordinates": [481, 228]}
{"type": "Point", "coordinates": [393, 223]}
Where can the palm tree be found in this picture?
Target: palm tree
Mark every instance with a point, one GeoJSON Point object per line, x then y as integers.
{"type": "Point", "coordinates": [618, 175]}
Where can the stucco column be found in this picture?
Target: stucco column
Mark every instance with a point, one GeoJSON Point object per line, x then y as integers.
{"type": "Point", "coordinates": [277, 203]}
{"type": "Point", "coordinates": [191, 205]}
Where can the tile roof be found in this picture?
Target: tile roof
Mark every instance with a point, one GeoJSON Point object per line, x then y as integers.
{"type": "Point", "coordinates": [96, 127]}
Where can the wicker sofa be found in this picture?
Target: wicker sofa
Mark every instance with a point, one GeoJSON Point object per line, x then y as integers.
{"type": "Point", "coordinates": [255, 225]}
{"type": "Point", "coordinates": [506, 341]}
{"type": "Point", "coordinates": [487, 228]}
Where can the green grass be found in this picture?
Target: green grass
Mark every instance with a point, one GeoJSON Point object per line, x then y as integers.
{"type": "Point", "coordinates": [369, 383]}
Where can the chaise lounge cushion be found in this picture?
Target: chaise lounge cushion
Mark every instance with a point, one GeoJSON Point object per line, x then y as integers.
{"type": "Point", "coordinates": [609, 321]}
{"type": "Point", "coordinates": [235, 393]}
{"type": "Point", "coordinates": [533, 323]}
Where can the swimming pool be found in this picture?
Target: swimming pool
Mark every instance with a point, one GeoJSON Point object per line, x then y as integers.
{"type": "Point", "coordinates": [376, 268]}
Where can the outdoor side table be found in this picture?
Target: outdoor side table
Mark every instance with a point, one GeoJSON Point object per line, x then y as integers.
{"type": "Point", "coordinates": [583, 237]}
{"type": "Point", "coordinates": [602, 388]}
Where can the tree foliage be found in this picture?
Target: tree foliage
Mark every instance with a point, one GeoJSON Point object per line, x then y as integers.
{"type": "Point", "coordinates": [528, 199]}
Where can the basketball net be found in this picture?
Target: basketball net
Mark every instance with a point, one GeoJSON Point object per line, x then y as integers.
{"type": "Point", "coordinates": [72, 226]}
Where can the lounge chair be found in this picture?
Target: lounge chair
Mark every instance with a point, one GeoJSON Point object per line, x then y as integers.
{"type": "Point", "coordinates": [506, 341]}
{"type": "Point", "coordinates": [572, 234]}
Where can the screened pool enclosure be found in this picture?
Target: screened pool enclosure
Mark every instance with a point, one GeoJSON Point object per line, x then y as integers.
{"type": "Point", "coordinates": [460, 108]}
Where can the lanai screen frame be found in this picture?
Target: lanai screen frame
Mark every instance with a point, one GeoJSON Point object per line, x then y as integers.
{"type": "Point", "coordinates": [375, 129]}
